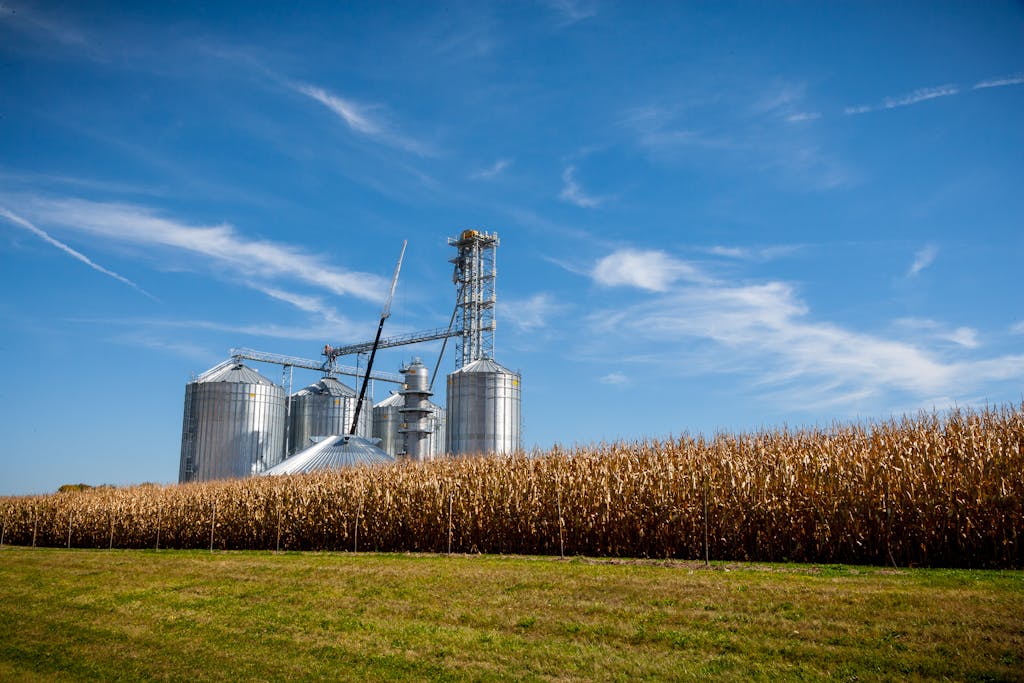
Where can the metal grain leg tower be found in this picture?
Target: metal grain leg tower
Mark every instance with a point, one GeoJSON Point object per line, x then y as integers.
{"type": "Point", "coordinates": [483, 397]}
{"type": "Point", "coordinates": [474, 276]}
{"type": "Point", "coordinates": [416, 412]}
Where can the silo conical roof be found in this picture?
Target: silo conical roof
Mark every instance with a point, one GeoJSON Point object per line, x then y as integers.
{"type": "Point", "coordinates": [484, 365]}
{"type": "Point", "coordinates": [333, 452]}
{"type": "Point", "coordinates": [325, 408]}
{"type": "Point", "coordinates": [484, 408]}
{"type": "Point", "coordinates": [235, 372]}
{"type": "Point", "coordinates": [331, 387]}
{"type": "Point", "coordinates": [393, 399]}
{"type": "Point", "coordinates": [233, 424]}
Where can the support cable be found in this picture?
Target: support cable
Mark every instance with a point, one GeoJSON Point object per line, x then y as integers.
{"type": "Point", "coordinates": [444, 344]}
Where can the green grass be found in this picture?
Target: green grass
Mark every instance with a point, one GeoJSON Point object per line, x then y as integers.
{"type": "Point", "coordinates": [192, 615]}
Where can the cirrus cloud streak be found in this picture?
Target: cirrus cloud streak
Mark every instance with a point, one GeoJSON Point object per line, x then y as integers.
{"type": "Point", "coordinates": [222, 246]}
{"type": "Point", "coordinates": [360, 119]}
{"type": "Point", "coordinates": [42, 234]}
{"type": "Point", "coordinates": [765, 330]}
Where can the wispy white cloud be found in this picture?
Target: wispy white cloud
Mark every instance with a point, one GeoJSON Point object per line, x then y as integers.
{"type": "Point", "coordinates": [572, 11]}
{"type": "Point", "coordinates": [543, 226]}
{"type": "Point", "coordinates": [492, 171]}
{"type": "Point", "coordinates": [730, 252]}
{"type": "Point", "coordinates": [165, 344]}
{"type": "Point", "coordinates": [782, 100]}
{"type": "Point", "coordinates": [573, 192]}
{"type": "Point", "coordinates": [362, 119]}
{"type": "Point", "coordinates": [922, 259]}
{"type": "Point", "coordinates": [758, 133]}
{"type": "Point", "coordinates": [919, 95]}
{"type": "Point", "coordinates": [652, 270]}
{"type": "Point", "coordinates": [224, 247]}
{"type": "Point", "coordinates": [756, 124]}
{"type": "Point", "coordinates": [802, 116]}
{"type": "Point", "coordinates": [530, 314]}
{"type": "Point", "coordinates": [42, 234]}
{"type": "Point", "coordinates": [47, 26]}
{"type": "Point", "coordinates": [303, 302]}
{"type": "Point", "coordinates": [461, 33]}
{"type": "Point", "coordinates": [614, 378]}
{"type": "Point", "coordinates": [659, 129]}
{"type": "Point", "coordinates": [753, 253]}
{"type": "Point", "coordinates": [765, 330]}
{"type": "Point", "coordinates": [319, 331]}
{"type": "Point", "coordinates": [574, 267]}
{"type": "Point", "coordinates": [915, 97]}
{"type": "Point", "coordinates": [1016, 79]}
{"type": "Point", "coordinates": [353, 114]}
{"type": "Point", "coordinates": [298, 332]}
{"type": "Point", "coordinates": [326, 317]}
{"type": "Point", "coordinates": [966, 337]}
{"type": "Point", "coordinates": [38, 180]}
{"type": "Point", "coordinates": [1017, 328]}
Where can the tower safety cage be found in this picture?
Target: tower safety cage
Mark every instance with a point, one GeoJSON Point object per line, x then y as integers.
{"type": "Point", "coordinates": [474, 277]}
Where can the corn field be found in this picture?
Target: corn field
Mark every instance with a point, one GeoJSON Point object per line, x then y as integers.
{"type": "Point", "coordinates": [931, 490]}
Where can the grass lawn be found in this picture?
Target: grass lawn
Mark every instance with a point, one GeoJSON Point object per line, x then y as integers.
{"type": "Point", "coordinates": [192, 615]}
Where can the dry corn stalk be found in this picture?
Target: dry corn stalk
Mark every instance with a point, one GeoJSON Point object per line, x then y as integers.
{"type": "Point", "coordinates": [929, 490]}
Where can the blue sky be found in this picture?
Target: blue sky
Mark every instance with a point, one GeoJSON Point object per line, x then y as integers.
{"type": "Point", "coordinates": [713, 216]}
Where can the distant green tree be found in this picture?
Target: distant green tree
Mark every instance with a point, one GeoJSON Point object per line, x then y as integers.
{"type": "Point", "coordinates": [73, 487]}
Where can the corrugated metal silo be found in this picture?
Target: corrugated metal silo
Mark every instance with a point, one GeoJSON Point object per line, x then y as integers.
{"type": "Point", "coordinates": [386, 420]}
{"type": "Point", "coordinates": [325, 408]}
{"type": "Point", "coordinates": [233, 424]}
{"type": "Point", "coordinates": [437, 446]}
{"type": "Point", "coordinates": [483, 409]}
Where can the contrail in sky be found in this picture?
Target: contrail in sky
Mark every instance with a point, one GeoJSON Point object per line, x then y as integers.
{"type": "Point", "coordinates": [42, 234]}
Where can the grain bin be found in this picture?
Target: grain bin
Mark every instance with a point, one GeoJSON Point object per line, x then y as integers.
{"type": "Point", "coordinates": [324, 408]}
{"type": "Point", "coordinates": [439, 424]}
{"type": "Point", "coordinates": [233, 424]}
{"type": "Point", "coordinates": [331, 453]}
{"type": "Point", "coordinates": [386, 420]}
{"type": "Point", "coordinates": [483, 409]}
